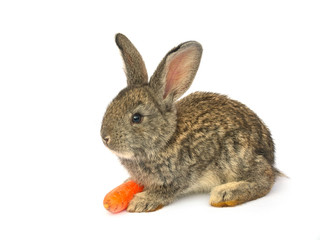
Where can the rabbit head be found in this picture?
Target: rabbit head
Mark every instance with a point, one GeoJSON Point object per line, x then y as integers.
{"type": "Point", "coordinates": [141, 119]}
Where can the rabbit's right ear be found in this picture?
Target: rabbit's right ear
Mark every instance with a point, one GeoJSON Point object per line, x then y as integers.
{"type": "Point", "coordinates": [176, 71]}
{"type": "Point", "coordinates": [135, 68]}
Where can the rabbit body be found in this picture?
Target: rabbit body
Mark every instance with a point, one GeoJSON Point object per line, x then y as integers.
{"type": "Point", "coordinates": [204, 142]}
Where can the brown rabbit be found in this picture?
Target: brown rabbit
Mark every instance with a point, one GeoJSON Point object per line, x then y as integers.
{"type": "Point", "coordinates": [204, 142]}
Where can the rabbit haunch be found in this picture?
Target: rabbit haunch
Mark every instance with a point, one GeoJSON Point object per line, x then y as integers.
{"type": "Point", "coordinates": [204, 142]}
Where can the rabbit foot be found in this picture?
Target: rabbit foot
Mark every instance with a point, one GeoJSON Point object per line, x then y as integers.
{"type": "Point", "coordinates": [144, 202]}
{"type": "Point", "coordinates": [226, 204]}
{"type": "Point", "coordinates": [229, 195]}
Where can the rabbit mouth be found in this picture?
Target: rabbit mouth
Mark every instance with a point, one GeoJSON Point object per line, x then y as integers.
{"type": "Point", "coordinates": [120, 154]}
{"type": "Point", "coordinates": [125, 155]}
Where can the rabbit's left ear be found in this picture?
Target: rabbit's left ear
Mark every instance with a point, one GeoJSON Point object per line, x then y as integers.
{"type": "Point", "coordinates": [177, 70]}
{"type": "Point", "coordinates": [135, 68]}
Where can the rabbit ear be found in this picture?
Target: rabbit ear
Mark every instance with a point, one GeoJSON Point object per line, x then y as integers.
{"type": "Point", "coordinates": [177, 70]}
{"type": "Point", "coordinates": [135, 68]}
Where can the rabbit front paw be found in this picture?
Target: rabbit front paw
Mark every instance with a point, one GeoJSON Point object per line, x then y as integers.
{"type": "Point", "coordinates": [144, 202]}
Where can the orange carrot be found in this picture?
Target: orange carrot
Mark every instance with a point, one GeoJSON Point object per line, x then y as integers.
{"type": "Point", "coordinates": [119, 198]}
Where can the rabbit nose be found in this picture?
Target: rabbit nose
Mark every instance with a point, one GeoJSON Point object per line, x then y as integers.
{"type": "Point", "coordinates": [106, 140]}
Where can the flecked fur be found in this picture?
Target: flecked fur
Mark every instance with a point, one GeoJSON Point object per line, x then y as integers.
{"type": "Point", "coordinates": [204, 142]}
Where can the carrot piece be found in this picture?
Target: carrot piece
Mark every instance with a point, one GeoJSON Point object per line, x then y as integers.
{"type": "Point", "coordinates": [119, 198]}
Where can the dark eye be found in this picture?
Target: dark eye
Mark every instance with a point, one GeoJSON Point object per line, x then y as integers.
{"type": "Point", "coordinates": [136, 118]}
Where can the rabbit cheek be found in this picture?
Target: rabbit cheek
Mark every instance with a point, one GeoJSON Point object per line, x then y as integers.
{"type": "Point", "coordinates": [145, 139]}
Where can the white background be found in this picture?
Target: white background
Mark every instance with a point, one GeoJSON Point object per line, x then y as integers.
{"type": "Point", "coordinates": [59, 69]}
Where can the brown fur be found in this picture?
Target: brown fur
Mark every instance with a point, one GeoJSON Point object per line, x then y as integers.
{"type": "Point", "coordinates": [205, 142]}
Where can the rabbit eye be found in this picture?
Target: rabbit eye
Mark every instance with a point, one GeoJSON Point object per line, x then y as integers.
{"type": "Point", "coordinates": [136, 118]}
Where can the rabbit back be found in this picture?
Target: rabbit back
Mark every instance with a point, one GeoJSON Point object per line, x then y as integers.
{"type": "Point", "coordinates": [220, 135]}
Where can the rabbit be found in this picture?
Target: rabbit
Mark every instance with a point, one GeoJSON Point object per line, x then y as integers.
{"type": "Point", "coordinates": [205, 142]}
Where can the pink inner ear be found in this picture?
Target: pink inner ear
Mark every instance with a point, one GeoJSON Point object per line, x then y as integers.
{"type": "Point", "coordinates": [177, 71]}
